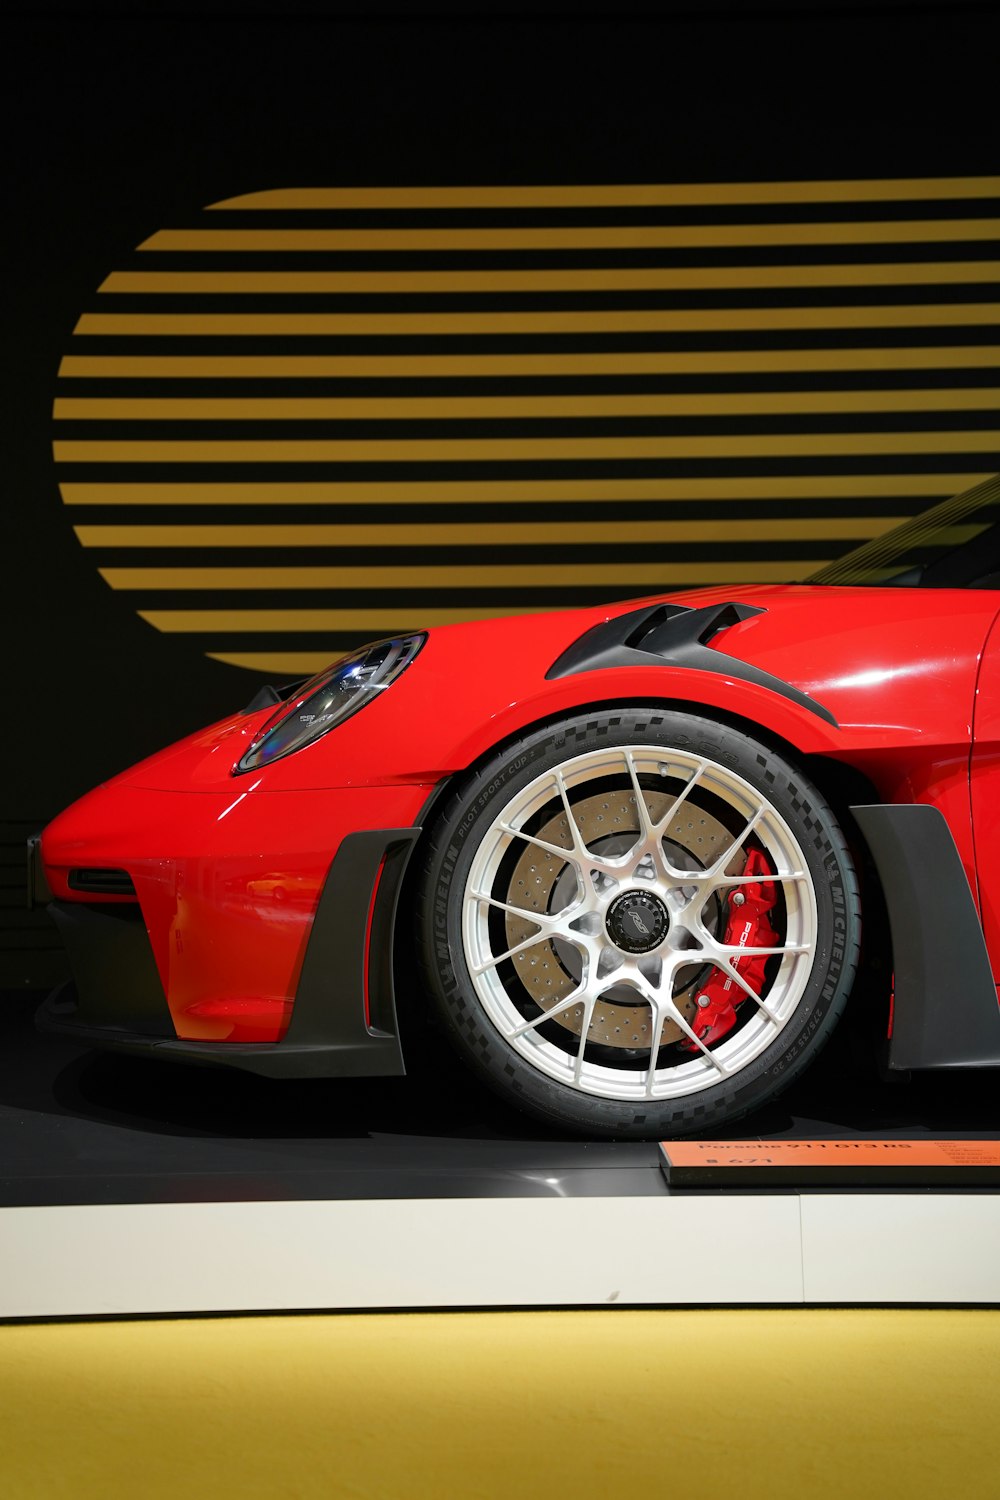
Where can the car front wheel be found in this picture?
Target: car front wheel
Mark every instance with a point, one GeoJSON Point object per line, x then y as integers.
{"type": "Point", "coordinates": [640, 923]}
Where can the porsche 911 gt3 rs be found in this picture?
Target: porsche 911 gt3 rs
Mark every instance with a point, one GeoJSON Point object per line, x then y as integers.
{"type": "Point", "coordinates": [625, 853]}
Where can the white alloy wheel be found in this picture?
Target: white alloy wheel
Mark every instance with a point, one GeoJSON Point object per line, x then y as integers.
{"type": "Point", "coordinates": [594, 882]}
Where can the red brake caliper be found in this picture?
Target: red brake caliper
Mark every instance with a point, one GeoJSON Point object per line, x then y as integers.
{"type": "Point", "coordinates": [748, 927]}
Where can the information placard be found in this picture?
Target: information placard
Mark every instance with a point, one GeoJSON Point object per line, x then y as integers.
{"type": "Point", "coordinates": [817, 1163]}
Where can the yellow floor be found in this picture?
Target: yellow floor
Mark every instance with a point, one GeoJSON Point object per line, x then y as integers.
{"type": "Point", "coordinates": [746, 1403]}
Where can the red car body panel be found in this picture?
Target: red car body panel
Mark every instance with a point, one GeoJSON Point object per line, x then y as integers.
{"type": "Point", "coordinates": [228, 868]}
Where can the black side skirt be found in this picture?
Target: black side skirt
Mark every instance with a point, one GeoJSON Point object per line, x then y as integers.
{"type": "Point", "coordinates": [349, 952]}
{"type": "Point", "coordinates": [945, 1012]}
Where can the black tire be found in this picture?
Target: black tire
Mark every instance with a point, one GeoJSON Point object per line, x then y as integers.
{"type": "Point", "coordinates": [808, 970]}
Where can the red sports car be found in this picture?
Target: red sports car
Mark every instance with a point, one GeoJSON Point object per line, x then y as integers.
{"type": "Point", "coordinates": [622, 852]}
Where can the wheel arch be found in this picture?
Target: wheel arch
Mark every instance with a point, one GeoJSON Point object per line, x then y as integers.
{"type": "Point", "coordinates": [456, 803]}
{"type": "Point", "coordinates": [840, 783]}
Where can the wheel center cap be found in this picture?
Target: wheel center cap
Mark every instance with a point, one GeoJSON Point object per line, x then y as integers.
{"type": "Point", "coordinates": [637, 921]}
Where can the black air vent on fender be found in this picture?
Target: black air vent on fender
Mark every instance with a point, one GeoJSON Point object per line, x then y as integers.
{"type": "Point", "coordinates": [674, 635]}
{"type": "Point", "coordinates": [102, 882]}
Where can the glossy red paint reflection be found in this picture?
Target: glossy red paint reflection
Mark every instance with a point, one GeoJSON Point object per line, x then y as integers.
{"type": "Point", "coordinates": [228, 868]}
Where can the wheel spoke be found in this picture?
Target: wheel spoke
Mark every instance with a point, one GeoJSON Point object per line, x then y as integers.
{"type": "Point", "coordinates": [768, 1012]}
{"type": "Point", "coordinates": [540, 918]}
{"type": "Point", "coordinates": [735, 951]}
{"type": "Point", "coordinates": [498, 958]}
{"type": "Point", "coordinates": [731, 972]}
{"type": "Point", "coordinates": [646, 827]}
{"type": "Point", "coordinates": [680, 1020]}
{"type": "Point", "coordinates": [735, 847]}
{"type": "Point", "coordinates": [650, 842]}
{"type": "Point", "coordinates": [665, 1011]}
{"type": "Point", "coordinates": [682, 796]}
{"type": "Point", "coordinates": [584, 858]}
{"type": "Point", "coordinates": [579, 847]}
{"type": "Point", "coordinates": [590, 1006]}
{"type": "Point", "coordinates": [569, 855]}
{"type": "Point", "coordinates": [547, 923]}
{"type": "Point", "coordinates": [566, 1003]}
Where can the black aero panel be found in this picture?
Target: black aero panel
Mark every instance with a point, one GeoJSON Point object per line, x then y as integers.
{"type": "Point", "coordinates": [117, 982]}
{"type": "Point", "coordinates": [945, 1013]}
{"type": "Point", "coordinates": [329, 1011]}
{"type": "Point", "coordinates": [671, 635]}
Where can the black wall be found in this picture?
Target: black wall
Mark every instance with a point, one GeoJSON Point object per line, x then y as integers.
{"type": "Point", "coordinates": [118, 126]}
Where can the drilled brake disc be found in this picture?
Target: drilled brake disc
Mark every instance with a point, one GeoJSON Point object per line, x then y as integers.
{"type": "Point", "coordinates": [540, 881]}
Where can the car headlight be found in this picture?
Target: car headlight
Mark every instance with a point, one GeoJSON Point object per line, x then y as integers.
{"type": "Point", "coordinates": [329, 698]}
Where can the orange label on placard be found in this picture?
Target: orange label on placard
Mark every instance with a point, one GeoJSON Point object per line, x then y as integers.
{"type": "Point", "coordinates": [832, 1153]}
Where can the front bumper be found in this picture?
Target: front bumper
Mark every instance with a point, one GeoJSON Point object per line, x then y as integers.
{"type": "Point", "coordinates": [344, 1015]}
{"type": "Point", "coordinates": [228, 887]}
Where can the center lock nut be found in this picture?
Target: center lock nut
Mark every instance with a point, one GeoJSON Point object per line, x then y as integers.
{"type": "Point", "coordinates": [637, 921]}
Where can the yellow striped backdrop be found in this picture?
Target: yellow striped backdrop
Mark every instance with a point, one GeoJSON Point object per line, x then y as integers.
{"type": "Point", "coordinates": [313, 416]}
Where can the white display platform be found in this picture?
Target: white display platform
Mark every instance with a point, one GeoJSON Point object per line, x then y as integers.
{"type": "Point", "coordinates": [698, 1249]}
